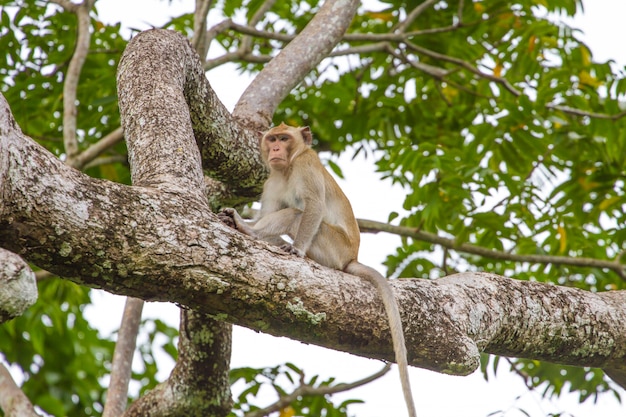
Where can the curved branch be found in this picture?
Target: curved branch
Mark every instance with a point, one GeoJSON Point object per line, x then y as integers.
{"type": "Point", "coordinates": [228, 150]}
{"type": "Point", "coordinates": [369, 226]}
{"type": "Point", "coordinates": [298, 58]}
{"type": "Point", "coordinates": [72, 76]}
{"type": "Point", "coordinates": [82, 159]}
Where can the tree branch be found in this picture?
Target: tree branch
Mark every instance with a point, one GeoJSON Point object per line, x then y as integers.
{"type": "Point", "coordinates": [258, 103]}
{"type": "Point", "coordinates": [414, 14]}
{"type": "Point", "coordinates": [200, 41]}
{"type": "Point", "coordinates": [82, 159]}
{"type": "Point", "coordinates": [199, 383]}
{"type": "Point", "coordinates": [228, 150]}
{"type": "Point", "coordinates": [414, 233]}
{"type": "Point", "coordinates": [167, 245]}
{"type": "Point", "coordinates": [12, 399]}
{"type": "Point", "coordinates": [72, 76]}
{"type": "Point", "coordinates": [18, 286]}
{"type": "Point", "coordinates": [117, 395]}
{"type": "Point", "coordinates": [306, 389]}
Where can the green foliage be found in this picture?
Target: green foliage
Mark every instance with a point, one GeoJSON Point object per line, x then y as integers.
{"type": "Point", "coordinates": [40, 37]}
{"type": "Point", "coordinates": [159, 337]}
{"type": "Point", "coordinates": [56, 347]}
{"type": "Point", "coordinates": [493, 116]}
{"type": "Point", "coordinates": [284, 379]}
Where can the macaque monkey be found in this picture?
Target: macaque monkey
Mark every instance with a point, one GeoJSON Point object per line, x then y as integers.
{"type": "Point", "coordinates": [302, 200]}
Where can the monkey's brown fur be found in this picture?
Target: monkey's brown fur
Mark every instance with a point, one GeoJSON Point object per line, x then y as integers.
{"type": "Point", "coordinates": [302, 200]}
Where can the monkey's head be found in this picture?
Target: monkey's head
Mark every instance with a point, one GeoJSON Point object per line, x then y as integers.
{"type": "Point", "coordinates": [282, 143]}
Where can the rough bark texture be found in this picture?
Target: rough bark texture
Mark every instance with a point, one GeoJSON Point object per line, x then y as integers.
{"type": "Point", "coordinates": [162, 243]}
{"type": "Point", "coordinates": [199, 384]}
{"type": "Point", "coordinates": [164, 95]}
{"type": "Point", "coordinates": [18, 287]}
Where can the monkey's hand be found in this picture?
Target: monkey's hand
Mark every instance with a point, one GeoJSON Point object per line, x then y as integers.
{"type": "Point", "coordinates": [289, 248]}
{"type": "Point", "coordinates": [227, 216]}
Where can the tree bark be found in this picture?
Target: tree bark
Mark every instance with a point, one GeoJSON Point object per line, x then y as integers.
{"type": "Point", "coordinates": [199, 384]}
{"type": "Point", "coordinates": [161, 242]}
{"type": "Point", "coordinates": [18, 286]}
{"type": "Point", "coordinates": [13, 402]}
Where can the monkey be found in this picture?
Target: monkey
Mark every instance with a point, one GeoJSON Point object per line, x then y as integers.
{"type": "Point", "coordinates": [301, 200]}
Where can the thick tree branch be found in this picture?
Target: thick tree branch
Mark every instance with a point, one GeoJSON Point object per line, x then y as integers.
{"type": "Point", "coordinates": [229, 151]}
{"type": "Point", "coordinates": [18, 286]}
{"type": "Point", "coordinates": [298, 58]}
{"type": "Point", "coordinates": [117, 395]}
{"type": "Point", "coordinates": [12, 399]}
{"type": "Point", "coordinates": [163, 243]}
{"type": "Point", "coordinates": [199, 383]}
{"type": "Point", "coordinates": [414, 233]}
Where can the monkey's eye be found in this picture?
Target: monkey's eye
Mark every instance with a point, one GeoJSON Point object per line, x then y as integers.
{"type": "Point", "coordinates": [284, 138]}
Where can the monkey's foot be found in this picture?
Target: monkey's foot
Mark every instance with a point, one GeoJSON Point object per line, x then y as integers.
{"type": "Point", "coordinates": [292, 250]}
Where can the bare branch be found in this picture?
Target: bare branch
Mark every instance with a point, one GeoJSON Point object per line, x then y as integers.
{"type": "Point", "coordinates": [117, 395]}
{"type": "Point", "coordinates": [82, 159]}
{"type": "Point", "coordinates": [305, 389]}
{"type": "Point", "coordinates": [414, 233]}
{"type": "Point", "coordinates": [298, 58]}
{"type": "Point", "coordinates": [414, 15]}
{"type": "Point", "coordinates": [12, 399]}
{"type": "Point", "coordinates": [246, 42]}
{"type": "Point", "coordinates": [200, 41]}
{"type": "Point", "coordinates": [73, 73]}
{"type": "Point", "coordinates": [107, 160]}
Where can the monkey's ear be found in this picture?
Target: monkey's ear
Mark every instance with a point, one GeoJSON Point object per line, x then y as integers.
{"type": "Point", "coordinates": [306, 135]}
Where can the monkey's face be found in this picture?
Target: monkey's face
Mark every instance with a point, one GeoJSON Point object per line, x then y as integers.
{"type": "Point", "coordinates": [277, 150]}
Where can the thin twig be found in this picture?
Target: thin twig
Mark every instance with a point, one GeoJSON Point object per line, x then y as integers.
{"type": "Point", "coordinates": [414, 15]}
{"type": "Point", "coordinates": [305, 389]}
{"type": "Point", "coordinates": [74, 69]}
{"type": "Point", "coordinates": [84, 158]}
{"type": "Point", "coordinates": [373, 227]}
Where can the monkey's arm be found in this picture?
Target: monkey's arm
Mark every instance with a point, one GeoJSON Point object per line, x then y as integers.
{"type": "Point", "coordinates": [269, 228]}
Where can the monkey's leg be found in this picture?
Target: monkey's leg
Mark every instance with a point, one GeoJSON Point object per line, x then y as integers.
{"type": "Point", "coordinates": [278, 223]}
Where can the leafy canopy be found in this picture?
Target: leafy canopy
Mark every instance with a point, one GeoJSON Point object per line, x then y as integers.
{"type": "Point", "coordinates": [493, 116]}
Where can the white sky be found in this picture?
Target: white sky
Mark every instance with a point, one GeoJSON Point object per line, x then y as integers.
{"type": "Point", "coordinates": [435, 394]}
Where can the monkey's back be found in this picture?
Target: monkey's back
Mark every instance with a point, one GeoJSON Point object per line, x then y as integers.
{"type": "Point", "coordinates": [337, 208]}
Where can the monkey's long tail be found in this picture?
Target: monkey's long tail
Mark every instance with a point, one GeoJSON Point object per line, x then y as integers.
{"type": "Point", "coordinates": [395, 325]}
